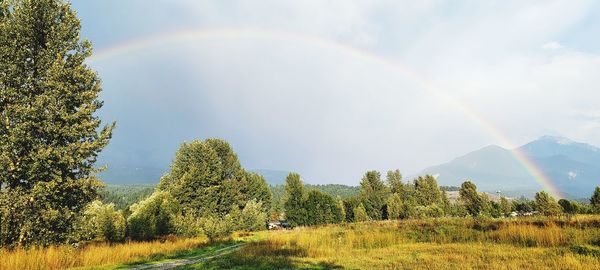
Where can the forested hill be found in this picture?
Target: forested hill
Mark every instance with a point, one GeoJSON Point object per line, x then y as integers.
{"type": "Point", "coordinates": [124, 196]}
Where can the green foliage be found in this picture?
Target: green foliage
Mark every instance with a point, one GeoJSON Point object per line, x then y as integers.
{"type": "Point", "coordinates": [394, 206]}
{"type": "Point", "coordinates": [50, 136]}
{"type": "Point", "coordinates": [546, 204]}
{"type": "Point", "coordinates": [295, 211]}
{"type": "Point", "coordinates": [215, 227]}
{"type": "Point", "coordinates": [569, 207]}
{"type": "Point", "coordinates": [432, 210]}
{"type": "Point", "coordinates": [342, 207]}
{"type": "Point", "coordinates": [427, 191]}
{"type": "Point", "coordinates": [153, 217]}
{"type": "Point", "coordinates": [321, 209]}
{"type": "Point", "coordinates": [374, 194]}
{"type": "Point", "coordinates": [123, 196]}
{"type": "Point", "coordinates": [252, 217]}
{"type": "Point", "coordinates": [474, 203]}
{"type": "Point", "coordinates": [595, 200]}
{"type": "Point", "coordinates": [505, 207]}
{"type": "Point", "coordinates": [394, 181]}
{"type": "Point", "coordinates": [206, 178]}
{"type": "Point", "coordinates": [360, 213]}
{"type": "Point", "coordinates": [101, 222]}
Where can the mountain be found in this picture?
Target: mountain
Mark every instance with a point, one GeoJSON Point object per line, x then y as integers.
{"type": "Point", "coordinates": [573, 167]}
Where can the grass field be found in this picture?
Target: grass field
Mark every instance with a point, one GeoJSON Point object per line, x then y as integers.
{"type": "Point", "coordinates": [446, 243]}
{"type": "Point", "coordinates": [530, 243]}
{"type": "Point", "coordinates": [97, 255]}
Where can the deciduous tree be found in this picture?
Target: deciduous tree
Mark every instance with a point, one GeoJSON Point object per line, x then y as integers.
{"type": "Point", "coordinates": [49, 133]}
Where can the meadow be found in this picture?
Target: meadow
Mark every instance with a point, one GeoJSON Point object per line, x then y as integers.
{"type": "Point", "coordinates": [445, 243]}
{"type": "Point", "coordinates": [96, 254]}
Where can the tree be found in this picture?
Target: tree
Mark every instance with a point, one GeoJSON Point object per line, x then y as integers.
{"type": "Point", "coordinates": [50, 134]}
{"type": "Point", "coordinates": [153, 217]}
{"type": "Point", "coordinates": [195, 179]}
{"type": "Point", "coordinates": [595, 200]}
{"type": "Point", "coordinates": [568, 207]}
{"type": "Point", "coordinates": [101, 222]}
{"type": "Point", "coordinates": [253, 217]}
{"type": "Point", "coordinates": [394, 206]}
{"type": "Point", "coordinates": [360, 213]}
{"type": "Point", "coordinates": [473, 202]}
{"type": "Point", "coordinates": [258, 190]}
{"type": "Point", "coordinates": [505, 207]}
{"type": "Point", "coordinates": [546, 204]}
{"type": "Point", "coordinates": [294, 204]}
{"type": "Point", "coordinates": [342, 207]}
{"type": "Point", "coordinates": [206, 178]}
{"type": "Point", "coordinates": [374, 194]}
{"type": "Point", "coordinates": [394, 181]}
{"type": "Point", "coordinates": [321, 209]}
{"type": "Point", "coordinates": [427, 191]}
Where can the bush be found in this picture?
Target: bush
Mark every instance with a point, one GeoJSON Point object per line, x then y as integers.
{"type": "Point", "coordinates": [252, 218]}
{"type": "Point", "coordinates": [101, 222]}
{"type": "Point", "coordinates": [216, 227]}
{"type": "Point", "coordinates": [153, 217]}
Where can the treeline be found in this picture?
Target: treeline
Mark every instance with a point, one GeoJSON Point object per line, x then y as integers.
{"type": "Point", "coordinates": [123, 196]}
{"type": "Point", "coordinates": [420, 198]}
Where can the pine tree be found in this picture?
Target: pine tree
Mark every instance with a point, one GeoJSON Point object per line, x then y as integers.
{"type": "Point", "coordinates": [49, 134]}
{"type": "Point", "coordinates": [294, 205]}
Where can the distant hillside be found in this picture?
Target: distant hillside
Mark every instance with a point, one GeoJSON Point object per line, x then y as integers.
{"type": "Point", "coordinates": [571, 166]}
{"type": "Point", "coordinates": [273, 177]}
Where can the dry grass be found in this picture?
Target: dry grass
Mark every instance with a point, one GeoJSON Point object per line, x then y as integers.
{"type": "Point", "coordinates": [61, 257]}
{"type": "Point", "coordinates": [523, 243]}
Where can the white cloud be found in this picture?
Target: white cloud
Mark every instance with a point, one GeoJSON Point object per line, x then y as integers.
{"type": "Point", "coordinates": [290, 104]}
{"type": "Point", "coordinates": [552, 45]}
{"type": "Point", "coordinates": [572, 175]}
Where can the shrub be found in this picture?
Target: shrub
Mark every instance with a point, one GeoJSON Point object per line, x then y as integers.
{"type": "Point", "coordinates": [101, 222]}
{"type": "Point", "coordinates": [153, 217]}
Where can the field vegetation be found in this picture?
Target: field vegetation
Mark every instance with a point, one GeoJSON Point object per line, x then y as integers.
{"type": "Point", "coordinates": [440, 243]}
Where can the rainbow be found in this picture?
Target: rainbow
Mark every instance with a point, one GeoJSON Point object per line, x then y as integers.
{"type": "Point", "coordinates": [233, 34]}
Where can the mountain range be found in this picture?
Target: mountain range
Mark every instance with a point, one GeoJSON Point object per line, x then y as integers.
{"type": "Point", "coordinates": [572, 167]}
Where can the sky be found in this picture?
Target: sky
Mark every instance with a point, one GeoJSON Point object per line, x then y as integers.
{"type": "Point", "coordinates": [331, 89]}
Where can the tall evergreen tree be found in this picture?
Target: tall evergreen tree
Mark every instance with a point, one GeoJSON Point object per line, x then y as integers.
{"type": "Point", "coordinates": [295, 211]}
{"type": "Point", "coordinates": [374, 194]}
{"type": "Point", "coordinates": [50, 136]}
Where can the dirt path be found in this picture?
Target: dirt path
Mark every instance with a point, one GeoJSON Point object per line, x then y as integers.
{"type": "Point", "coordinates": [179, 262]}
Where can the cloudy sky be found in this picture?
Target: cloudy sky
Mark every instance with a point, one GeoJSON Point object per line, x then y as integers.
{"type": "Point", "coordinates": [331, 89]}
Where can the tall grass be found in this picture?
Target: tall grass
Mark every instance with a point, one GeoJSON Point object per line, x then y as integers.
{"type": "Point", "coordinates": [531, 243]}
{"type": "Point", "coordinates": [61, 257]}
